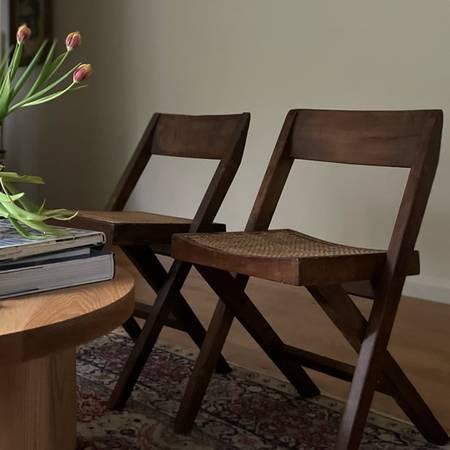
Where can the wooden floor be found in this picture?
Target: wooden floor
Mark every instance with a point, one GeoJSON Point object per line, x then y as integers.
{"type": "Point", "coordinates": [420, 342]}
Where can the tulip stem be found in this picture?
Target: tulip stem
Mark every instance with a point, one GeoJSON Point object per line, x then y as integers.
{"type": "Point", "coordinates": [26, 217]}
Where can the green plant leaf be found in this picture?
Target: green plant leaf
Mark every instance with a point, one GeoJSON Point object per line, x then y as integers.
{"type": "Point", "coordinates": [25, 215]}
{"type": "Point", "coordinates": [3, 212]}
{"type": "Point", "coordinates": [21, 230]}
{"type": "Point", "coordinates": [4, 62]}
{"type": "Point", "coordinates": [45, 70]}
{"type": "Point", "coordinates": [21, 214]}
{"type": "Point", "coordinates": [15, 60]}
{"type": "Point", "coordinates": [40, 93]}
{"type": "Point", "coordinates": [11, 198]}
{"type": "Point", "coordinates": [24, 202]}
{"type": "Point", "coordinates": [13, 177]}
{"type": "Point", "coordinates": [57, 63]}
{"type": "Point", "coordinates": [59, 214]}
{"type": "Point", "coordinates": [5, 90]}
{"type": "Point", "coordinates": [41, 228]}
{"type": "Point", "coordinates": [49, 98]}
{"type": "Point", "coordinates": [28, 71]}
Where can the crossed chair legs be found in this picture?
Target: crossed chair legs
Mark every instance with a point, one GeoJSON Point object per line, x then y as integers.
{"type": "Point", "coordinates": [169, 300]}
{"type": "Point", "coordinates": [376, 369]}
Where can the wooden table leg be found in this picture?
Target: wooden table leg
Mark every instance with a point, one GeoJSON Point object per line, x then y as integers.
{"type": "Point", "coordinates": [38, 403]}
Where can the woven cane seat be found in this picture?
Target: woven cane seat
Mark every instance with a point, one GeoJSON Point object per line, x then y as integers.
{"type": "Point", "coordinates": [135, 227]}
{"type": "Point", "coordinates": [282, 255]}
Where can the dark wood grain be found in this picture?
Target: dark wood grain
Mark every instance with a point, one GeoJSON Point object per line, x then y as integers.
{"type": "Point", "coordinates": [137, 227]}
{"type": "Point", "coordinates": [388, 289]}
{"type": "Point", "coordinates": [329, 366]}
{"type": "Point", "coordinates": [349, 320]}
{"type": "Point", "coordinates": [290, 270]}
{"type": "Point", "coordinates": [379, 138]}
{"type": "Point", "coordinates": [141, 234]}
{"type": "Point", "coordinates": [407, 139]}
{"type": "Point", "coordinates": [182, 317]}
{"type": "Point", "coordinates": [204, 366]}
{"type": "Point", "coordinates": [207, 137]}
{"type": "Point", "coordinates": [229, 289]}
{"type": "Point", "coordinates": [135, 167]}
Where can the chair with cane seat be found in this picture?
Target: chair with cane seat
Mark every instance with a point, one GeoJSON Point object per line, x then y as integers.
{"type": "Point", "coordinates": [330, 272]}
{"type": "Point", "coordinates": [143, 235]}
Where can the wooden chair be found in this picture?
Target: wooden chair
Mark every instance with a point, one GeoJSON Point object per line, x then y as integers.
{"type": "Point", "coordinates": [408, 139]}
{"type": "Point", "coordinates": [142, 235]}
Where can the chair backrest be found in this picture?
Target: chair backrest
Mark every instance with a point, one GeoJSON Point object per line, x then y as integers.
{"type": "Point", "coordinates": [219, 137]}
{"type": "Point", "coordinates": [409, 139]}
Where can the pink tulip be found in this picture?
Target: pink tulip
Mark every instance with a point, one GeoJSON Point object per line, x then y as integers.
{"type": "Point", "coordinates": [23, 33]}
{"type": "Point", "coordinates": [82, 72]}
{"type": "Point", "coordinates": [73, 40]}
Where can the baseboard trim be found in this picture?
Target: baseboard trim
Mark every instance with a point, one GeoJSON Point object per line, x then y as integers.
{"type": "Point", "coordinates": [428, 288]}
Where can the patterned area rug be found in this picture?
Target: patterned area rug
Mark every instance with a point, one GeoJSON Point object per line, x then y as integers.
{"type": "Point", "coordinates": [242, 410]}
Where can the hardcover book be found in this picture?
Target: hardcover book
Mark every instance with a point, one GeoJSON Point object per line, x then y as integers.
{"type": "Point", "coordinates": [13, 245]}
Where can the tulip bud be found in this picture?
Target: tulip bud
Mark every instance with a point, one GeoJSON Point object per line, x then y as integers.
{"type": "Point", "coordinates": [23, 34]}
{"type": "Point", "coordinates": [82, 72]}
{"type": "Point", "coordinates": [73, 40]}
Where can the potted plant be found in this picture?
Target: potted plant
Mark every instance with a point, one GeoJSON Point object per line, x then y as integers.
{"type": "Point", "coordinates": [48, 85]}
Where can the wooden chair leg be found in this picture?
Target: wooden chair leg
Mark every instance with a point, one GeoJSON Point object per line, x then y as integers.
{"type": "Point", "coordinates": [194, 328]}
{"type": "Point", "coordinates": [349, 320]}
{"type": "Point", "coordinates": [365, 378]}
{"type": "Point", "coordinates": [413, 404]}
{"type": "Point", "coordinates": [203, 369]}
{"type": "Point", "coordinates": [149, 334]}
{"type": "Point", "coordinates": [229, 291]}
{"type": "Point", "coordinates": [155, 274]}
{"type": "Point", "coordinates": [132, 328]}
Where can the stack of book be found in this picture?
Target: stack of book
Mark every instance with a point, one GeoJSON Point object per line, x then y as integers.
{"type": "Point", "coordinates": [71, 258]}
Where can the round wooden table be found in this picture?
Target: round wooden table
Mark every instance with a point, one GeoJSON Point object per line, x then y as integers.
{"type": "Point", "coordinates": [38, 336]}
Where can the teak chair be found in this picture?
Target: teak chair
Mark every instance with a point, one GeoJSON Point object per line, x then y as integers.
{"type": "Point", "coordinates": [408, 139]}
{"type": "Point", "coordinates": [142, 235]}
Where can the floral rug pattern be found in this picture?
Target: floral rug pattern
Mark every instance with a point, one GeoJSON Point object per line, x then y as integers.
{"type": "Point", "coordinates": [241, 411]}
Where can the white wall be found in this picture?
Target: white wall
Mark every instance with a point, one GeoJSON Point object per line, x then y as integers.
{"type": "Point", "coordinates": [215, 56]}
